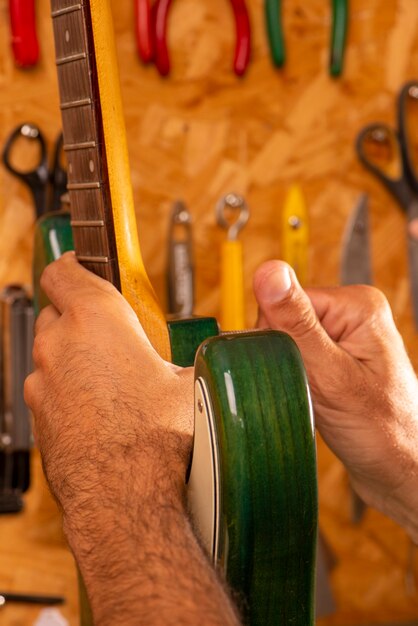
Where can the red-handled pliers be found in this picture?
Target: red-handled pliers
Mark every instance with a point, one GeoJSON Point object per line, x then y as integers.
{"type": "Point", "coordinates": [243, 39]}
{"type": "Point", "coordinates": [144, 30]}
{"type": "Point", "coordinates": [23, 26]}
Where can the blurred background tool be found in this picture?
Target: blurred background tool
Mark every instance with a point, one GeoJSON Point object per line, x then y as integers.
{"type": "Point", "coordinates": [16, 323]}
{"type": "Point", "coordinates": [180, 275]}
{"type": "Point", "coordinates": [356, 266]}
{"type": "Point", "coordinates": [243, 36]}
{"type": "Point", "coordinates": [356, 269]}
{"type": "Point", "coordinates": [24, 39]}
{"type": "Point", "coordinates": [393, 157]}
{"type": "Point", "coordinates": [273, 15]}
{"type": "Point", "coordinates": [26, 598]}
{"type": "Point", "coordinates": [274, 26]}
{"type": "Point", "coordinates": [144, 29]}
{"type": "Point", "coordinates": [18, 150]}
{"type": "Point", "coordinates": [295, 233]}
{"type": "Point", "coordinates": [338, 36]}
{"type": "Point", "coordinates": [232, 214]}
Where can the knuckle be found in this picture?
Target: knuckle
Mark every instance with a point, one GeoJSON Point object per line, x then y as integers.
{"type": "Point", "coordinates": [80, 310]}
{"type": "Point", "coordinates": [40, 320]}
{"type": "Point", "coordinates": [29, 390]}
{"type": "Point", "coordinates": [41, 349]}
{"type": "Point", "coordinates": [49, 275]}
{"type": "Point", "coordinates": [372, 297]}
{"type": "Point", "coordinates": [375, 304]}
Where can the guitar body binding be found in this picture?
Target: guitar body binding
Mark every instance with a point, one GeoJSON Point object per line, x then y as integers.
{"type": "Point", "coordinates": [203, 487]}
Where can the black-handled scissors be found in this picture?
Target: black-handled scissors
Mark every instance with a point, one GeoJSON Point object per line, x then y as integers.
{"type": "Point", "coordinates": [39, 178]}
{"type": "Point", "coordinates": [392, 156]}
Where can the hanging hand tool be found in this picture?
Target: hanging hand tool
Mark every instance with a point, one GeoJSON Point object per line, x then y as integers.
{"type": "Point", "coordinates": [23, 28]}
{"type": "Point", "coordinates": [243, 36]}
{"type": "Point", "coordinates": [339, 36]}
{"type": "Point", "coordinates": [356, 259]}
{"type": "Point", "coordinates": [26, 598]}
{"type": "Point", "coordinates": [180, 263]}
{"type": "Point", "coordinates": [392, 157]}
{"type": "Point", "coordinates": [144, 29]}
{"type": "Point", "coordinates": [40, 177]}
{"type": "Point", "coordinates": [295, 233]}
{"type": "Point", "coordinates": [356, 269]}
{"type": "Point", "coordinates": [273, 17]}
{"type": "Point", "coordinates": [16, 327]}
{"type": "Point", "coordinates": [232, 278]}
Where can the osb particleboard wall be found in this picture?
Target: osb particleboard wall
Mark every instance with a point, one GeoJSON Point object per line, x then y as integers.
{"type": "Point", "coordinates": [197, 136]}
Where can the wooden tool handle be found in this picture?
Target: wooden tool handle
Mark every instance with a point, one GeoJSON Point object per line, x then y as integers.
{"type": "Point", "coordinates": [232, 287]}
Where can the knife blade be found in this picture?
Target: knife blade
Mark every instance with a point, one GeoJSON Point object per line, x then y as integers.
{"type": "Point", "coordinates": [356, 268]}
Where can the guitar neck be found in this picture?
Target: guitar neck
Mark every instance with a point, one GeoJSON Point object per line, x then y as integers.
{"type": "Point", "coordinates": [88, 183]}
{"type": "Point", "coordinates": [101, 198]}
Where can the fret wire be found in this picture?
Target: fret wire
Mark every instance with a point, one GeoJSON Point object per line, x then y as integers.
{"type": "Point", "coordinates": [71, 59]}
{"type": "Point", "coordinates": [92, 259]}
{"type": "Point", "coordinates": [87, 223]}
{"type": "Point", "coordinates": [76, 103]}
{"type": "Point", "coordinates": [81, 186]}
{"type": "Point", "coordinates": [63, 11]}
{"type": "Point", "coordinates": [80, 146]}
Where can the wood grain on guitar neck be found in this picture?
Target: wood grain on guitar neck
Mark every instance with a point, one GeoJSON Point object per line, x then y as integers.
{"type": "Point", "coordinates": [92, 220]}
{"type": "Point", "coordinates": [102, 208]}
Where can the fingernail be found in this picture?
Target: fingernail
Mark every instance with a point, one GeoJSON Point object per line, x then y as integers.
{"type": "Point", "coordinates": [276, 285]}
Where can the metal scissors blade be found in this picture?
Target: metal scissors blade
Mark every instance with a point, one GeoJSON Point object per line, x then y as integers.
{"type": "Point", "coordinates": [40, 179]}
{"type": "Point", "coordinates": [356, 258]}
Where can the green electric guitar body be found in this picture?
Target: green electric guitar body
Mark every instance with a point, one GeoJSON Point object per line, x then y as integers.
{"type": "Point", "coordinates": [252, 487]}
{"type": "Point", "coordinates": [53, 237]}
{"type": "Point", "coordinates": [258, 467]}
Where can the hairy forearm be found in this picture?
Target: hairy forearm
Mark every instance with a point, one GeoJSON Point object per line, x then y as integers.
{"type": "Point", "coordinates": [142, 564]}
{"type": "Point", "coordinates": [394, 490]}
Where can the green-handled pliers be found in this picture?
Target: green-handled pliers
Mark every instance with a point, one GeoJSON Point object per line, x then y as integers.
{"type": "Point", "coordinates": [338, 39]}
{"type": "Point", "coordinates": [339, 36]}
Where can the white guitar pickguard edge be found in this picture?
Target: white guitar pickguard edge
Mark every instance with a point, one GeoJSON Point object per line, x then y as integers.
{"type": "Point", "coordinates": [203, 492]}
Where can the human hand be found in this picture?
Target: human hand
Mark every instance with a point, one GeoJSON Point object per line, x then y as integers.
{"type": "Point", "coordinates": [363, 385]}
{"type": "Point", "coordinates": [113, 421]}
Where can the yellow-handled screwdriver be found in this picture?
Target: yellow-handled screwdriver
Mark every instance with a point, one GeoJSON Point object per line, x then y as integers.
{"type": "Point", "coordinates": [295, 233]}
{"type": "Point", "coordinates": [232, 214]}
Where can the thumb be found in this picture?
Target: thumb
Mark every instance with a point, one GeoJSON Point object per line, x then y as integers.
{"type": "Point", "coordinates": [283, 305]}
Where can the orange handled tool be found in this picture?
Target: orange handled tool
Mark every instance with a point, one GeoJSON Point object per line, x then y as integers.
{"type": "Point", "coordinates": [232, 274]}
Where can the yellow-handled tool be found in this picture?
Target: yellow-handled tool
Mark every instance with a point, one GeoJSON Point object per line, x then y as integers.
{"type": "Point", "coordinates": [232, 214]}
{"type": "Point", "coordinates": [295, 233]}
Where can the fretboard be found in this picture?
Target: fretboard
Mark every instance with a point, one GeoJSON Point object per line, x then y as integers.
{"type": "Point", "coordinates": [91, 213]}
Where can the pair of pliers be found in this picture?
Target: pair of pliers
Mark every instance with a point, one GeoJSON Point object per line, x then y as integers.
{"type": "Point", "coordinates": [151, 29]}
{"type": "Point", "coordinates": [338, 37]}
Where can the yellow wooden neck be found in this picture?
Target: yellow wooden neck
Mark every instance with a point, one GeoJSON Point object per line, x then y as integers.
{"type": "Point", "coordinates": [135, 283]}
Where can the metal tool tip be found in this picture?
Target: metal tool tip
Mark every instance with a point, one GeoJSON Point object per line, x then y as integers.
{"type": "Point", "coordinates": [28, 130]}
